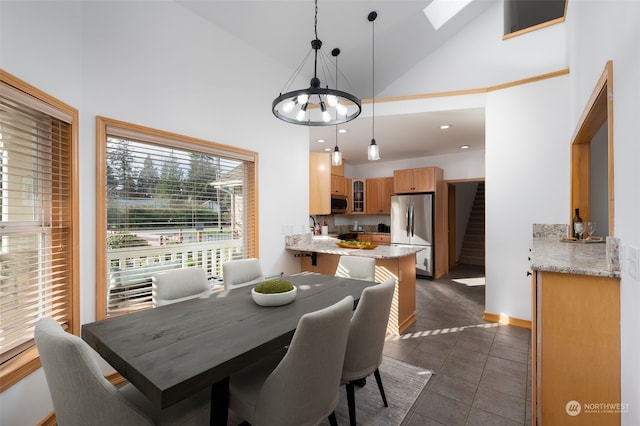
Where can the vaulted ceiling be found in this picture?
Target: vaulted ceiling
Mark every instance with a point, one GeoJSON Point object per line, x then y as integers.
{"type": "Point", "coordinates": [404, 36]}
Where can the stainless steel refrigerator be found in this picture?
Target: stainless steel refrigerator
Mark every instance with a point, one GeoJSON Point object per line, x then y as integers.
{"type": "Point", "coordinates": [412, 225]}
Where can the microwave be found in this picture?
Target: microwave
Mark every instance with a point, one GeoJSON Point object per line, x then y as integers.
{"type": "Point", "coordinates": [339, 204]}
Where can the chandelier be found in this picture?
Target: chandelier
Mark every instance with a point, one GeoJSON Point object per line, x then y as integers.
{"type": "Point", "coordinates": [316, 105]}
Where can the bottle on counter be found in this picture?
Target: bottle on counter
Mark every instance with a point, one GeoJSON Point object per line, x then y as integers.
{"type": "Point", "coordinates": [577, 226]}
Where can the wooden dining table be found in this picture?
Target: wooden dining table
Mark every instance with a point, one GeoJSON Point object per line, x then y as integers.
{"type": "Point", "coordinates": [174, 351]}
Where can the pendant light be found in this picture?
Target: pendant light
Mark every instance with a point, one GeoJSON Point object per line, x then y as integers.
{"type": "Point", "coordinates": [336, 155]}
{"type": "Point", "coordinates": [315, 106]}
{"type": "Point", "coordinates": [374, 151]}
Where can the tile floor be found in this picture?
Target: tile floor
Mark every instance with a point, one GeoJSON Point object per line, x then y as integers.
{"type": "Point", "coordinates": [482, 370]}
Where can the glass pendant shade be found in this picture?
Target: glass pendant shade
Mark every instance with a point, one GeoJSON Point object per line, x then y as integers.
{"type": "Point", "coordinates": [336, 157]}
{"type": "Point", "coordinates": [374, 151]}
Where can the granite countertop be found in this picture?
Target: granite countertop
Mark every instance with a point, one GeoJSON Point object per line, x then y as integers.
{"type": "Point", "coordinates": [328, 245]}
{"type": "Point", "coordinates": [572, 258]}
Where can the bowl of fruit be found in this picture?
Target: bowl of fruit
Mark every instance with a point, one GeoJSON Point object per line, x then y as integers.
{"type": "Point", "coordinates": [355, 244]}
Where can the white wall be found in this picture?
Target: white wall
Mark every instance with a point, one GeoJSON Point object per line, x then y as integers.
{"type": "Point", "coordinates": [527, 182]}
{"type": "Point", "coordinates": [478, 57]}
{"type": "Point", "coordinates": [158, 65]}
{"type": "Point", "coordinates": [599, 31]}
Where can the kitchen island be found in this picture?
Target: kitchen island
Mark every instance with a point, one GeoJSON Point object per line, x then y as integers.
{"type": "Point", "coordinates": [575, 333]}
{"type": "Point", "coordinates": [321, 254]}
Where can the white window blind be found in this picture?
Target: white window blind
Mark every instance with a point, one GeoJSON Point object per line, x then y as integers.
{"type": "Point", "coordinates": [36, 221]}
{"type": "Point", "coordinates": [171, 204]}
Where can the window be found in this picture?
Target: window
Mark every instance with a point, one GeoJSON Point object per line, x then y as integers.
{"type": "Point", "coordinates": [521, 16]}
{"type": "Point", "coordinates": [167, 201]}
{"type": "Point", "coordinates": [38, 233]}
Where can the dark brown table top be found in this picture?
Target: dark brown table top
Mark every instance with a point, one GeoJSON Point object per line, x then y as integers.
{"type": "Point", "coordinates": [173, 351]}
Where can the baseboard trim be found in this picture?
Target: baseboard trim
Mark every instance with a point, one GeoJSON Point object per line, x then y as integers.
{"type": "Point", "coordinates": [505, 319]}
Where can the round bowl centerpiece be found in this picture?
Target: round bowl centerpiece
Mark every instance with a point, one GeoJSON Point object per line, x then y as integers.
{"type": "Point", "coordinates": [275, 292]}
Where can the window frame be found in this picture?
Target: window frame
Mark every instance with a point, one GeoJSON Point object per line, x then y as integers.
{"type": "Point", "coordinates": [536, 27]}
{"type": "Point", "coordinates": [29, 361]}
{"type": "Point", "coordinates": [151, 135]}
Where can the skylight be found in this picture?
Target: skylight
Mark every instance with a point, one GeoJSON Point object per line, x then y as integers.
{"type": "Point", "coordinates": [439, 12]}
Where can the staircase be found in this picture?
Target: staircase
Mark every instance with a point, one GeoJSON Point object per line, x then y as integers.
{"type": "Point", "coordinates": [472, 252]}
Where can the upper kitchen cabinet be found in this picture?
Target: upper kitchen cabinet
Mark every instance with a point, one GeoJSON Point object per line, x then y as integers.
{"type": "Point", "coordinates": [339, 185]}
{"type": "Point", "coordinates": [422, 179]}
{"type": "Point", "coordinates": [319, 183]}
{"type": "Point", "coordinates": [358, 196]}
{"type": "Point", "coordinates": [379, 192]}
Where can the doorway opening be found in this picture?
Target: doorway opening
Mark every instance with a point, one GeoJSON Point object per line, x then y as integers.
{"type": "Point", "coordinates": [466, 223]}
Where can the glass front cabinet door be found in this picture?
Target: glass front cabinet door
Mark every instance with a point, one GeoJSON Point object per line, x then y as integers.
{"type": "Point", "coordinates": [358, 195]}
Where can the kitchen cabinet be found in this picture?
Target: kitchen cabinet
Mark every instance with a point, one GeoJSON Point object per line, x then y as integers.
{"type": "Point", "coordinates": [319, 183]}
{"type": "Point", "coordinates": [338, 185]}
{"type": "Point", "coordinates": [347, 183]}
{"type": "Point", "coordinates": [379, 192]}
{"type": "Point", "coordinates": [358, 196]}
{"type": "Point", "coordinates": [402, 268]}
{"type": "Point", "coordinates": [575, 349]}
{"type": "Point", "coordinates": [422, 179]}
{"type": "Point", "coordinates": [380, 239]}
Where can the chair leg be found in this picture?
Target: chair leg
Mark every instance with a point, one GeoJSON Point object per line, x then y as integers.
{"type": "Point", "coordinates": [351, 402]}
{"type": "Point", "coordinates": [379, 380]}
{"type": "Point", "coordinates": [332, 419]}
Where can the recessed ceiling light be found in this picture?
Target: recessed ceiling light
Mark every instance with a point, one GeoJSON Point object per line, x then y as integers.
{"type": "Point", "coordinates": [465, 146]}
{"type": "Point", "coordinates": [328, 149]}
{"type": "Point", "coordinates": [321, 141]}
{"type": "Point", "coordinates": [342, 131]}
{"type": "Point", "coordinates": [445, 126]}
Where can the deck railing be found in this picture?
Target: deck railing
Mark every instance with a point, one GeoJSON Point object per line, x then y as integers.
{"type": "Point", "coordinates": [130, 269]}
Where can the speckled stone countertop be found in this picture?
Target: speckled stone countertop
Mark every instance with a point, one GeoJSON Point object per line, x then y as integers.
{"type": "Point", "coordinates": [305, 242]}
{"type": "Point", "coordinates": [573, 258]}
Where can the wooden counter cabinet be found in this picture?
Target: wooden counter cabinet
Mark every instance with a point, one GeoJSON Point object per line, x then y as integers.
{"type": "Point", "coordinates": [358, 196]}
{"type": "Point", "coordinates": [319, 183]}
{"type": "Point", "coordinates": [423, 179]}
{"type": "Point", "coordinates": [379, 192]}
{"type": "Point", "coordinates": [384, 239]}
{"type": "Point", "coordinates": [402, 268]}
{"type": "Point", "coordinates": [575, 349]}
{"type": "Point", "coordinates": [339, 185]}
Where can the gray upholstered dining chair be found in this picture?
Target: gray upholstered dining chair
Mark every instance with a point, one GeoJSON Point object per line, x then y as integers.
{"type": "Point", "coordinates": [361, 268]}
{"type": "Point", "coordinates": [81, 394]}
{"type": "Point", "coordinates": [176, 285]}
{"type": "Point", "coordinates": [301, 388]}
{"type": "Point", "coordinates": [241, 272]}
{"type": "Point", "coordinates": [367, 332]}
